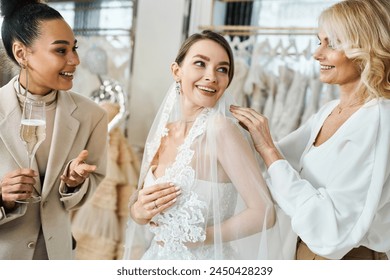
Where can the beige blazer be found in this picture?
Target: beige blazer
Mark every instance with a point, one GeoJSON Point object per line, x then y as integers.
{"type": "Point", "coordinates": [79, 124]}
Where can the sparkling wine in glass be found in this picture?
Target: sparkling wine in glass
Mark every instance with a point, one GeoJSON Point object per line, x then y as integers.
{"type": "Point", "coordinates": [33, 133]}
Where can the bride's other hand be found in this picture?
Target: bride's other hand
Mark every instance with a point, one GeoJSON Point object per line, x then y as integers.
{"type": "Point", "coordinates": [153, 200]}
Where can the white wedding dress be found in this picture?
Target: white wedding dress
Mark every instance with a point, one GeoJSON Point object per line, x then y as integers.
{"type": "Point", "coordinates": [181, 223]}
{"type": "Point", "coordinates": [223, 194]}
{"type": "Point", "coordinates": [186, 220]}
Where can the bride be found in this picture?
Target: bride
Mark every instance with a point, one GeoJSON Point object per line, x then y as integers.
{"type": "Point", "coordinates": [201, 194]}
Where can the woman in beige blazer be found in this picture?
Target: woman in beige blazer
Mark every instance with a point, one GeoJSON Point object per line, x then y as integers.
{"type": "Point", "coordinates": [71, 161]}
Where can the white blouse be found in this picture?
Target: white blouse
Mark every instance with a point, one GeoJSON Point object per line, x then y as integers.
{"type": "Point", "coordinates": [338, 194]}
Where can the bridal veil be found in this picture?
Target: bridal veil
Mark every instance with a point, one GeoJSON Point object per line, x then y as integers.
{"type": "Point", "coordinates": [223, 195]}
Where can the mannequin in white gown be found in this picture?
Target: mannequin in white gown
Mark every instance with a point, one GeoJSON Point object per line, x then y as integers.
{"type": "Point", "coordinates": [201, 194]}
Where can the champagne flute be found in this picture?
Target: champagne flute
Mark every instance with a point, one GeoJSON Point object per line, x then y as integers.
{"type": "Point", "coordinates": [33, 133]}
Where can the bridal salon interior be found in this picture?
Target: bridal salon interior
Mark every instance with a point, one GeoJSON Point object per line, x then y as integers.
{"type": "Point", "coordinates": [126, 48]}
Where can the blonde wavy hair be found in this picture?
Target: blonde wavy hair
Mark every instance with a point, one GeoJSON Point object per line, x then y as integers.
{"type": "Point", "coordinates": [361, 29]}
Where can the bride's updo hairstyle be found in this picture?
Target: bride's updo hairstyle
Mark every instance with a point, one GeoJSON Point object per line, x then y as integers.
{"type": "Point", "coordinates": [210, 35]}
{"type": "Point", "coordinates": [22, 20]}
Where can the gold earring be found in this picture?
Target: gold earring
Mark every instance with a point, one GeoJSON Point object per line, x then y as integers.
{"type": "Point", "coordinates": [22, 66]}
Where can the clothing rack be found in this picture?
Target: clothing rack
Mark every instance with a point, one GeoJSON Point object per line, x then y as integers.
{"type": "Point", "coordinates": [98, 5]}
{"type": "Point", "coordinates": [259, 30]}
{"type": "Point", "coordinates": [103, 32]}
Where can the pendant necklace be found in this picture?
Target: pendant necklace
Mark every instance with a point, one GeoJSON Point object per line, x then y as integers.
{"type": "Point", "coordinates": [340, 109]}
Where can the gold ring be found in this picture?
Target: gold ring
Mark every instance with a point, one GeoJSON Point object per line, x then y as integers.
{"type": "Point", "coordinates": [155, 204]}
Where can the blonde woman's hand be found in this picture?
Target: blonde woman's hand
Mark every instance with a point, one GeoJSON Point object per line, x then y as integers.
{"type": "Point", "coordinates": [258, 127]}
{"type": "Point", "coordinates": [153, 200]}
{"type": "Point", "coordinates": [78, 171]}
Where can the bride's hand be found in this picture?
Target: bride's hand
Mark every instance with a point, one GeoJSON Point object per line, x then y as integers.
{"type": "Point", "coordinates": [153, 200]}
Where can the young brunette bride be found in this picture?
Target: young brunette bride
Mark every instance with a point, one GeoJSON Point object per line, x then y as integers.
{"type": "Point", "coordinates": [201, 193]}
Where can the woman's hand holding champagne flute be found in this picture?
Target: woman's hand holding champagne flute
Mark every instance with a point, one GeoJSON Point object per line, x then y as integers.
{"type": "Point", "coordinates": [32, 133]}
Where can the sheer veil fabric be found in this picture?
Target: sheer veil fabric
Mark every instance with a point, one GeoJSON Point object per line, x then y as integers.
{"type": "Point", "coordinates": [223, 192]}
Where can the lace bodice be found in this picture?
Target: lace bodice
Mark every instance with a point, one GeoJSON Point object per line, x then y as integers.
{"type": "Point", "coordinates": [178, 219]}
{"type": "Point", "coordinates": [185, 222]}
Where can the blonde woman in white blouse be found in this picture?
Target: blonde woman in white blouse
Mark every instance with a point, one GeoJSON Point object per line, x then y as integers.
{"type": "Point", "coordinates": [332, 175]}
